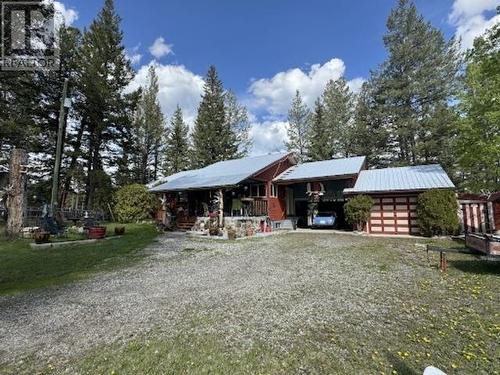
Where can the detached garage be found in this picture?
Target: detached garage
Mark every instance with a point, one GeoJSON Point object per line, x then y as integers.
{"type": "Point", "coordinates": [394, 192]}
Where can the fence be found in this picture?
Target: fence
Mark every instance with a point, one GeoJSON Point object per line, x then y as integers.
{"type": "Point", "coordinates": [34, 216]}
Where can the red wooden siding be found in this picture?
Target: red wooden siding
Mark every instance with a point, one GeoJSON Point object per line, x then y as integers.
{"type": "Point", "coordinates": [276, 206]}
{"type": "Point", "coordinates": [394, 215]}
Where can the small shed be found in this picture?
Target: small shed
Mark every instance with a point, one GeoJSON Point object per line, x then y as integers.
{"type": "Point", "coordinates": [394, 192]}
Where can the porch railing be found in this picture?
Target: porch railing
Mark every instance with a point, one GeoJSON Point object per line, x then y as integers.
{"type": "Point", "coordinates": [258, 208]}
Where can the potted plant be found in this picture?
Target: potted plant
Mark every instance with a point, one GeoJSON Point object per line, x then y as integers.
{"type": "Point", "coordinates": [41, 236]}
{"type": "Point", "coordinates": [357, 211]}
{"type": "Point", "coordinates": [120, 231]}
{"type": "Point", "coordinates": [96, 233]}
{"type": "Point", "coordinates": [231, 234]}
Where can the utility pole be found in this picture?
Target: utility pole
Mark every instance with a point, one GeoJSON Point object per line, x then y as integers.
{"type": "Point", "coordinates": [59, 148]}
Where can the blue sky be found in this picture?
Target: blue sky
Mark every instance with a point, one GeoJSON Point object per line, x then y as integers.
{"type": "Point", "coordinates": [264, 50]}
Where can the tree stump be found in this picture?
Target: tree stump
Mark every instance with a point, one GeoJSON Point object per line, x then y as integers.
{"type": "Point", "coordinates": [16, 192]}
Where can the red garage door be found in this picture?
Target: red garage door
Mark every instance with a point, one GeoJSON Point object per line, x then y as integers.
{"type": "Point", "coordinates": [394, 215]}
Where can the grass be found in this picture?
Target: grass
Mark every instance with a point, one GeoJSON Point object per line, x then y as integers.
{"type": "Point", "coordinates": [23, 268]}
{"type": "Point", "coordinates": [406, 317]}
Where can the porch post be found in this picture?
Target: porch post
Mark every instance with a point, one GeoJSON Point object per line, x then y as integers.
{"type": "Point", "coordinates": [221, 207]}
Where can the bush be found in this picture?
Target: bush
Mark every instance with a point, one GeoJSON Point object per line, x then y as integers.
{"type": "Point", "coordinates": [357, 210]}
{"type": "Point", "coordinates": [134, 203]}
{"type": "Point", "coordinates": [437, 212]}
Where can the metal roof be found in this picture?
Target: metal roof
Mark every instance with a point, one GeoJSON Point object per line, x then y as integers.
{"type": "Point", "coordinates": [419, 177]}
{"type": "Point", "coordinates": [223, 173]}
{"type": "Point", "coordinates": [322, 169]}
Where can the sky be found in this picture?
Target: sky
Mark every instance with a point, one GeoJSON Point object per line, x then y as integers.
{"type": "Point", "coordinates": [264, 50]}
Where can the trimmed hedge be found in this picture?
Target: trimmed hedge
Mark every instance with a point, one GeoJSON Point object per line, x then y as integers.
{"type": "Point", "coordinates": [134, 203]}
{"type": "Point", "coordinates": [437, 212]}
{"type": "Point", "coordinates": [357, 210]}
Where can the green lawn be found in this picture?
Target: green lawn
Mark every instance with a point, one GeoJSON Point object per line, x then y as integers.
{"type": "Point", "coordinates": [23, 268]}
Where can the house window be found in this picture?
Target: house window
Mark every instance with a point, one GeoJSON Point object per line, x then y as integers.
{"type": "Point", "coordinates": [274, 191]}
{"type": "Point", "coordinates": [258, 190]}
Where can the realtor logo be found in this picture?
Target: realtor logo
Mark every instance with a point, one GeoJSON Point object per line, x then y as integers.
{"type": "Point", "coordinates": [29, 36]}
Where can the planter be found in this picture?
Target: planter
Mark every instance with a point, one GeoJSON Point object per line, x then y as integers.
{"type": "Point", "coordinates": [231, 234]}
{"type": "Point", "coordinates": [119, 231]}
{"type": "Point", "coordinates": [41, 237]}
{"type": "Point", "coordinates": [96, 233]}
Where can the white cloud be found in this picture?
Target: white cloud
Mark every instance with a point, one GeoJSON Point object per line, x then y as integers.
{"type": "Point", "coordinates": [178, 86]}
{"type": "Point", "coordinates": [268, 136]}
{"type": "Point", "coordinates": [64, 15]}
{"type": "Point", "coordinates": [468, 16]}
{"type": "Point", "coordinates": [275, 94]}
{"type": "Point", "coordinates": [134, 56]}
{"type": "Point", "coordinates": [355, 84]}
{"type": "Point", "coordinates": [160, 48]}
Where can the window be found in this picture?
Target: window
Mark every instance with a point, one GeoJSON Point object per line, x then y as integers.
{"type": "Point", "coordinates": [274, 191]}
{"type": "Point", "coordinates": [258, 190]}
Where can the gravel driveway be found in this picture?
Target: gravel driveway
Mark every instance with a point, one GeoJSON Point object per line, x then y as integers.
{"type": "Point", "coordinates": [254, 289]}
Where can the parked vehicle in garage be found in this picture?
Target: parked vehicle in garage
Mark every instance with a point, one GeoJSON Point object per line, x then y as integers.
{"type": "Point", "coordinates": [325, 220]}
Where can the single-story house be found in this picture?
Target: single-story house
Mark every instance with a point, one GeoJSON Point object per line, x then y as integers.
{"type": "Point", "coordinates": [277, 188]}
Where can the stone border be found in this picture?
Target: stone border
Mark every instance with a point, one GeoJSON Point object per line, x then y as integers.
{"type": "Point", "coordinates": [67, 243]}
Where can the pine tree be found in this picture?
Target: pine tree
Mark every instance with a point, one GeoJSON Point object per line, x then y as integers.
{"type": "Point", "coordinates": [320, 147]}
{"type": "Point", "coordinates": [339, 108]}
{"type": "Point", "coordinates": [299, 121]}
{"type": "Point", "coordinates": [147, 130]}
{"type": "Point", "coordinates": [105, 73]}
{"type": "Point", "coordinates": [478, 143]}
{"type": "Point", "coordinates": [213, 138]}
{"type": "Point", "coordinates": [177, 148]}
{"type": "Point", "coordinates": [237, 119]}
{"type": "Point", "coordinates": [413, 85]}
{"type": "Point", "coordinates": [370, 134]}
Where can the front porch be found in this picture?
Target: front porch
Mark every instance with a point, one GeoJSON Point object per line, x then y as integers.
{"type": "Point", "coordinates": [228, 207]}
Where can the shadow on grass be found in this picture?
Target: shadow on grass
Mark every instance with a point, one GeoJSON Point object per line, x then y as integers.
{"type": "Point", "coordinates": [476, 266]}
{"type": "Point", "coordinates": [400, 366]}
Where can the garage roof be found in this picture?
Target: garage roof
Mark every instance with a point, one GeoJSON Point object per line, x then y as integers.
{"type": "Point", "coordinates": [322, 169]}
{"type": "Point", "coordinates": [223, 173]}
{"type": "Point", "coordinates": [419, 177]}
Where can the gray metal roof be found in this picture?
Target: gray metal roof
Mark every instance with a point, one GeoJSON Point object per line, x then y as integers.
{"type": "Point", "coordinates": [419, 177]}
{"type": "Point", "coordinates": [322, 169]}
{"type": "Point", "coordinates": [223, 173]}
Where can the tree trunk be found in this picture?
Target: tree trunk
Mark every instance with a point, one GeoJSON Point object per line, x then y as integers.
{"type": "Point", "coordinates": [16, 195]}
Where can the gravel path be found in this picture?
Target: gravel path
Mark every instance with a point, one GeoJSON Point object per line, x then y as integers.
{"type": "Point", "coordinates": [253, 289]}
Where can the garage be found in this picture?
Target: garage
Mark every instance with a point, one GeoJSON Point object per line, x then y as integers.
{"type": "Point", "coordinates": [394, 192]}
{"type": "Point", "coordinates": [394, 215]}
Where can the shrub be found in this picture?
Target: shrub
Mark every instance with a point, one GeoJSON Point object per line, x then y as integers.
{"type": "Point", "coordinates": [357, 210]}
{"type": "Point", "coordinates": [437, 212]}
{"type": "Point", "coordinates": [134, 203]}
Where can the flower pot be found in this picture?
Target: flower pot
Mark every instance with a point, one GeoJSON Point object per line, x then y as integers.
{"type": "Point", "coordinates": [41, 237]}
{"type": "Point", "coordinates": [96, 233]}
{"type": "Point", "coordinates": [231, 234]}
{"type": "Point", "coordinates": [119, 231]}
